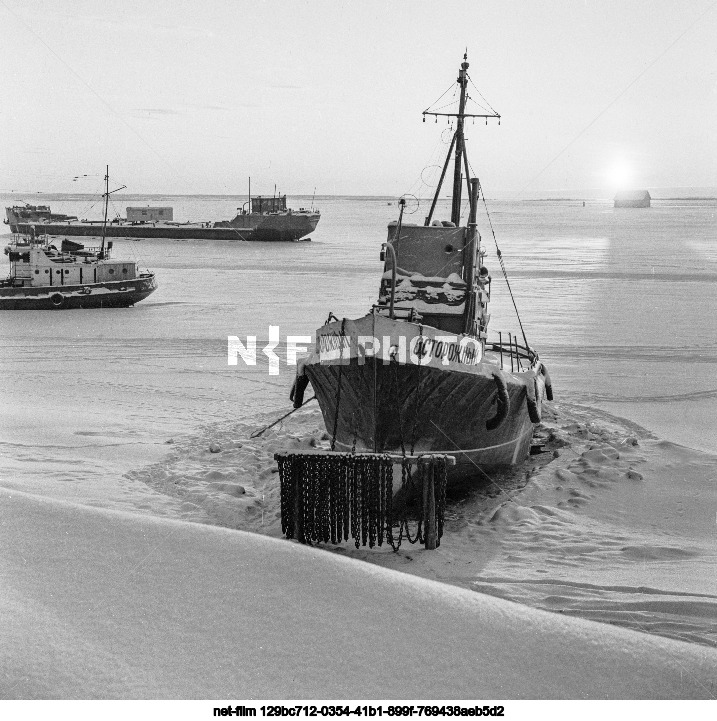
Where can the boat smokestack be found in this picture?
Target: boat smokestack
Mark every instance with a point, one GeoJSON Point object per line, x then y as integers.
{"type": "Point", "coordinates": [470, 254]}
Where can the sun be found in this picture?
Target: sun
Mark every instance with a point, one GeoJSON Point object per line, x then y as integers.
{"type": "Point", "coordinates": [620, 175]}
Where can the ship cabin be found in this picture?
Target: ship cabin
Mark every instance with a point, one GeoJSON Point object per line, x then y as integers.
{"type": "Point", "coordinates": [35, 263]}
{"type": "Point", "coordinates": [149, 214]}
{"type": "Point", "coordinates": [275, 204]}
{"type": "Point", "coordinates": [432, 283]}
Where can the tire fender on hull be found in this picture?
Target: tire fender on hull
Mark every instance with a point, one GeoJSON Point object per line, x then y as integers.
{"type": "Point", "coordinates": [57, 300]}
{"type": "Point", "coordinates": [548, 382]}
{"type": "Point", "coordinates": [503, 402]}
{"type": "Point", "coordinates": [534, 397]}
{"type": "Point", "coordinates": [301, 383]}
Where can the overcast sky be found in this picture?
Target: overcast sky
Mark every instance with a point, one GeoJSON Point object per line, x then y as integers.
{"type": "Point", "coordinates": [194, 97]}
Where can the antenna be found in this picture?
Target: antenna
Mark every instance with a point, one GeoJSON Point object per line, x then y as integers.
{"type": "Point", "coordinates": [458, 142]}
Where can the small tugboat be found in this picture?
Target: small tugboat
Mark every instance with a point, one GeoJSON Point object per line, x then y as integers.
{"type": "Point", "coordinates": [418, 373]}
{"type": "Point", "coordinates": [43, 277]}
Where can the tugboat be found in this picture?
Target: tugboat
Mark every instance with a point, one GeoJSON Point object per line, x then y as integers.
{"type": "Point", "coordinates": [43, 277]}
{"type": "Point", "coordinates": [418, 374]}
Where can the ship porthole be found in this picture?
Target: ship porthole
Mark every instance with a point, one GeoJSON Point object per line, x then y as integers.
{"type": "Point", "coordinates": [37, 272]}
{"type": "Point", "coordinates": [449, 248]}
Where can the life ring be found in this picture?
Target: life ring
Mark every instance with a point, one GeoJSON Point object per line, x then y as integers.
{"type": "Point", "coordinates": [503, 401]}
{"type": "Point", "coordinates": [548, 382]}
{"type": "Point", "coordinates": [533, 399]}
{"type": "Point", "coordinates": [57, 300]}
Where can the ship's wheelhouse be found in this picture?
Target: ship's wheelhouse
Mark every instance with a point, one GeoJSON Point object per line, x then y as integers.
{"type": "Point", "coordinates": [40, 264]}
{"type": "Point", "coordinates": [431, 283]}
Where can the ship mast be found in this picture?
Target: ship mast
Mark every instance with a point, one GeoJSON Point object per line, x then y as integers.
{"type": "Point", "coordinates": [106, 196]}
{"type": "Point", "coordinates": [457, 142]}
{"type": "Point", "coordinates": [107, 201]}
{"type": "Point", "coordinates": [460, 144]}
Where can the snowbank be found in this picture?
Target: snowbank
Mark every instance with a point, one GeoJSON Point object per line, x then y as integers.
{"type": "Point", "coordinates": [105, 604]}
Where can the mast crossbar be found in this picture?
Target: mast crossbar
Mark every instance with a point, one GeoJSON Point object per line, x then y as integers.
{"type": "Point", "coordinates": [461, 115]}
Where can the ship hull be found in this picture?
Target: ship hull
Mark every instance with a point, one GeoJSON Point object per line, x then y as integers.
{"type": "Point", "coordinates": [116, 294]}
{"type": "Point", "coordinates": [443, 406]}
{"type": "Point", "coordinates": [270, 228]}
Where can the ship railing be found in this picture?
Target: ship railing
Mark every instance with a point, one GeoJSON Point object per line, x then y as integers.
{"type": "Point", "coordinates": [86, 255]}
{"type": "Point", "coordinates": [511, 352]}
{"type": "Point", "coordinates": [27, 239]}
{"type": "Point", "coordinates": [400, 312]}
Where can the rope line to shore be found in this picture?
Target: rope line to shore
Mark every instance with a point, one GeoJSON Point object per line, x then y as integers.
{"type": "Point", "coordinates": [256, 434]}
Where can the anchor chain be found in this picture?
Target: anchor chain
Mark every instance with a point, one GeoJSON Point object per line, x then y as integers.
{"type": "Point", "coordinates": [440, 476]}
{"type": "Point", "coordinates": [286, 494]}
{"type": "Point", "coordinates": [338, 496]}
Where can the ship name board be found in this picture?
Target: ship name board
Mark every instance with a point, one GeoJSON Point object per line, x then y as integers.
{"type": "Point", "coordinates": [419, 350]}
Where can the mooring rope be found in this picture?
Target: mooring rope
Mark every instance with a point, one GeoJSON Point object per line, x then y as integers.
{"type": "Point", "coordinates": [417, 394]}
{"type": "Point", "coordinates": [338, 391]}
{"type": "Point", "coordinates": [256, 434]}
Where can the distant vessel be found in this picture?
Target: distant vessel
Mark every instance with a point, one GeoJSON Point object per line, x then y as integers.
{"type": "Point", "coordinates": [32, 214]}
{"type": "Point", "coordinates": [45, 278]}
{"type": "Point", "coordinates": [632, 199]}
{"type": "Point", "coordinates": [268, 220]}
{"type": "Point", "coordinates": [417, 374]}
